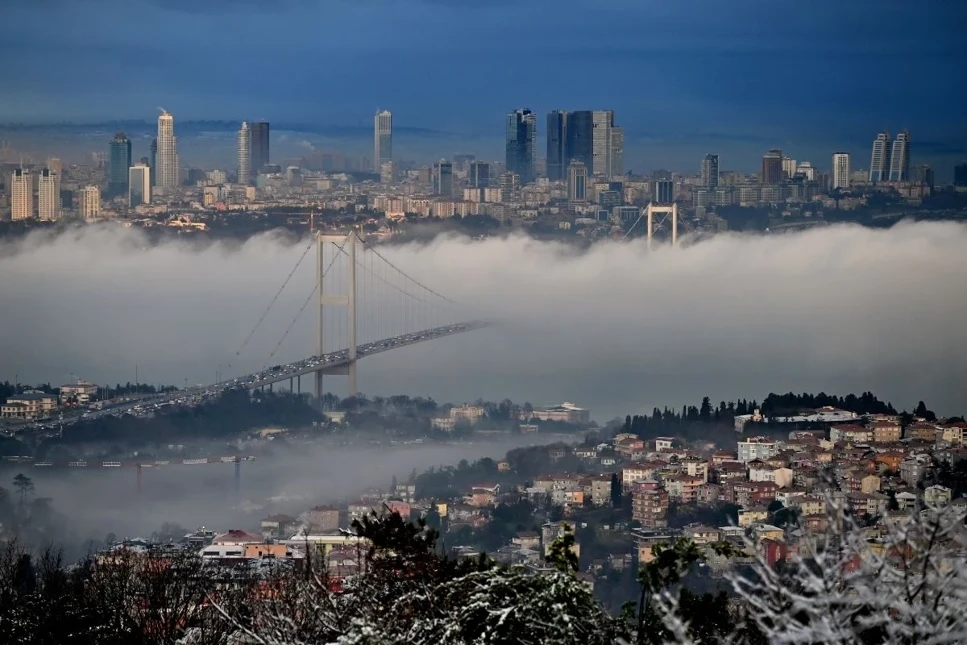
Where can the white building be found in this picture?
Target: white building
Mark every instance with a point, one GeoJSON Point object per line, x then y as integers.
{"type": "Point", "coordinates": [602, 121]}
{"type": "Point", "coordinates": [167, 159]}
{"type": "Point", "coordinates": [900, 158]}
{"type": "Point", "coordinates": [880, 159]}
{"type": "Point", "coordinates": [48, 196]}
{"type": "Point", "coordinates": [244, 149]}
{"type": "Point", "coordinates": [841, 170]}
{"type": "Point", "coordinates": [789, 167]}
{"type": "Point", "coordinates": [90, 203]}
{"type": "Point", "coordinates": [139, 185]}
{"type": "Point", "coordinates": [757, 448]}
{"type": "Point", "coordinates": [21, 195]}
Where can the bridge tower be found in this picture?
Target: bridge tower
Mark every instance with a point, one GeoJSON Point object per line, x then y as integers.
{"type": "Point", "coordinates": [662, 209]}
{"type": "Point", "coordinates": [326, 300]}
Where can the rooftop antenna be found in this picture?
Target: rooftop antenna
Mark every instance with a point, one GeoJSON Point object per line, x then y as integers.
{"type": "Point", "coordinates": [163, 111]}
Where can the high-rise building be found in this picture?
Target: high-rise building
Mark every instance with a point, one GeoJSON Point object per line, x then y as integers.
{"type": "Point", "coordinates": [479, 174]}
{"type": "Point", "coordinates": [771, 167]}
{"type": "Point", "coordinates": [577, 182]}
{"type": "Point", "coordinates": [21, 195]}
{"type": "Point", "coordinates": [90, 207]}
{"type": "Point", "coordinates": [48, 196]}
{"type": "Point", "coordinates": [617, 161]}
{"type": "Point", "coordinates": [153, 164]}
{"type": "Point", "coordinates": [521, 136]}
{"type": "Point", "coordinates": [880, 160]}
{"type": "Point", "coordinates": [443, 178]}
{"type": "Point", "coordinates": [509, 186]}
{"type": "Point", "coordinates": [664, 191]}
{"type": "Point", "coordinates": [139, 185]}
{"type": "Point", "coordinates": [924, 175]}
{"type": "Point", "coordinates": [168, 166]}
{"type": "Point", "coordinates": [841, 171]}
{"type": "Point", "coordinates": [578, 138]}
{"type": "Point", "coordinates": [710, 171]}
{"type": "Point", "coordinates": [119, 160]}
{"type": "Point", "coordinates": [601, 123]}
{"type": "Point", "coordinates": [557, 145]}
{"type": "Point", "coordinates": [788, 167]}
{"type": "Point", "coordinates": [244, 153]}
{"type": "Point", "coordinates": [387, 173]}
{"type": "Point", "coordinates": [259, 131]}
{"type": "Point", "coordinates": [382, 137]}
{"type": "Point", "coordinates": [900, 158]}
{"type": "Point", "coordinates": [960, 174]}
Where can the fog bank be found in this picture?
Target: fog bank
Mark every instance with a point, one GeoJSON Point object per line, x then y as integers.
{"type": "Point", "coordinates": [617, 328]}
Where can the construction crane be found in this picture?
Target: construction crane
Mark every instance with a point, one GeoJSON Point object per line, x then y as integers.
{"type": "Point", "coordinates": [137, 465]}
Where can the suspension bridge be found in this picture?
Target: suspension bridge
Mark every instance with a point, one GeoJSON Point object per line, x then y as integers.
{"type": "Point", "coordinates": [364, 305]}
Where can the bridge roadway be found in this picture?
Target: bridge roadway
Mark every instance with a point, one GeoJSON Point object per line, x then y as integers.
{"type": "Point", "coordinates": [330, 362]}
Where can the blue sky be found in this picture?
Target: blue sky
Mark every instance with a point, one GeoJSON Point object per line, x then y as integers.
{"type": "Point", "coordinates": [737, 72]}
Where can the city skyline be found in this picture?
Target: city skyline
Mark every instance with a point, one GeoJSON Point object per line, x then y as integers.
{"type": "Point", "coordinates": [693, 101]}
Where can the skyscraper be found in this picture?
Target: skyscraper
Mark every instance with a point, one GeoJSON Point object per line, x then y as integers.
{"type": "Point", "coordinates": [601, 124]}
{"type": "Point", "coordinates": [153, 164]}
{"type": "Point", "coordinates": [960, 174]}
{"type": "Point", "coordinates": [841, 171]}
{"type": "Point", "coordinates": [578, 138]}
{"type": "Point", "coordinates": [244, 152]}
{"type": "Point", "coordinates": [21, 195]}
{"type": "Point", "coordinates": [556, 145]}
{"type": "Point", "coordinates": [617, 160]}
{"type": "Point", "coordinates": [577, 182]}
{"type": "Point", "coordinates": [139, 185]}
{"type": "Point", "coordinates": [710, 171]}
{"type": "Point", "coordinates": [167, 152]}
{"type": "Point", "coordinates": [900, 158]}
{"type": "Point", "coordinates": [119, 160]}
{"type": "Point", "coordinates": [260, 146]}
{"type": "Point", "coordinates": [479, 174]}
{"type": "Point", "coordinates": [521, 136]}
{"type": "Point", "coordinates": [443, 178]}
{"type": "Point", "coordinates": [90, 207]}
{"type": "Point", "coordinates": [48, 196]}
{"type": "Point", "coordinates": [923, 174]}
{"type": "Point", "coordinates": [880, 160]}
{"type": "Point", "coordinates": [771, 167]}
{"type": "Point", "coordinates": [664, 191]}
{"type": "Point", "coordinates": [382, 138]}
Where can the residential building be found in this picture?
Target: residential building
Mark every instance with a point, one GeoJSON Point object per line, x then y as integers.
{"type": "Point", "coordinates": [885, 431]}
{"type": "Point", "coordinates": [850, 433]}
{"type": "Point", "coordinates": [577, 182]}
{"type": "Point", "coordinates": [900, 158]}
{"type": "Point", "coordinates": [602, 152]}
{"type": "Point", "coordinates": [649, 505]}
{"type": "Point", "coordinates": [483, 494]}
{"type": "Point", "coordinates": [382, 137]}
{"type": "Point", "coordinates": [521, 137]}
{"type": "Point", "coordinates": [710, 171]}
{"type": "Point", "coordinates": [168, 167]}
{"type": "Point", "coordinates": [788, 167]}
{"type": "Point", "coordinates": [557, 145]}
{"type": "Point", "coordinates": [936, 495]}
{"type": "Point", "coordinates": [771, 167]}
{"type": "Point", "coordinates": [29, 405]}
{"type": "Point", "coordinates": [912, 470]}
{"type": "Point", "coordinates": [880, 159]}
{"type": "Point", "coordinates": [139, 185]}
{"type": "Point", "coordinates": [322, 518]}
{"type": "Point", "coordinates": [119, 160]}
{"type": "Point", "coordinates": [243, 155]}
{"type": "Point", "coordinates": [48, 196]}
{"type": "Point", "coordinates": [90, 206]}
{"type": "Point", "coordinates": [551, 531]}
{"type": "Point", "coordinates": [21, 195]}
{"type": "Point", "coordinates": [841, 171]}
{"type": "Point", "coordinates": [682, 488]}
{"type": "Point", "coordinates": [565, 413]}
{"type": "Point", "coordinates": [757, 448]}
{"type": "Point", "coordinates": [468, 413]}
{"type": "Point", "coordinates": [259, 132]}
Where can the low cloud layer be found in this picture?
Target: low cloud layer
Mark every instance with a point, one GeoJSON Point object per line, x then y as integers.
{"type": "Point", "coordinates": [616, 328]}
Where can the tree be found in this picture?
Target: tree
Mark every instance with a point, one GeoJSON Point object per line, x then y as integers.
{"type": "Point", "coordinates": [562, 553]}
{"type": "Point", "coordinates": [615, 491]}
{"type": "Point", "coordinates": [24, 485]}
